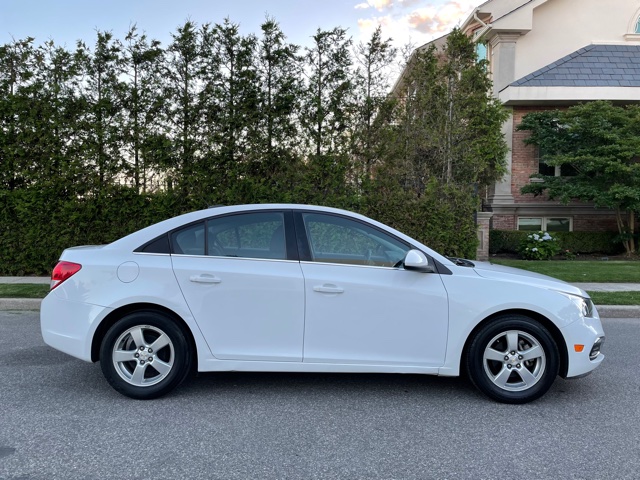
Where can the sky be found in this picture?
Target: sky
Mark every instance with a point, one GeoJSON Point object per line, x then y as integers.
{"type": "Point", "coordinates": [66, 21]}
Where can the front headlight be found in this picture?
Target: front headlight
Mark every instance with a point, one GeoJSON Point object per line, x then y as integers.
{"type": "Point", "coordinates": [585, 305]}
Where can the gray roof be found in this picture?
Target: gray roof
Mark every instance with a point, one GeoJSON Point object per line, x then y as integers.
{"type": "Point", "coordinates": [591, 66]}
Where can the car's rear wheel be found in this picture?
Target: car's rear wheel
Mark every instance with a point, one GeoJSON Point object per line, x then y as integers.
{"type": "Point", "coordinates": [145, 355]}
{"type": "Point", "coordinates": [513, 359]}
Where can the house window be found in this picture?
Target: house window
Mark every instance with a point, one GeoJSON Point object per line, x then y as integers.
{"type": "Point", "coordinates": [547, 224]}
{"type": "Point", "coordinates": [481, 51]}
{"type": "Point", "coordinates": [638, 25]}
{"type": "Point", "coordinates": [565, 170]}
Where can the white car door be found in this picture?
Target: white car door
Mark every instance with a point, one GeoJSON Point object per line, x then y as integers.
{"type": "Point", "coordinates": [246, 296]}
{"type": "Point", "coordinates": [361, 307]}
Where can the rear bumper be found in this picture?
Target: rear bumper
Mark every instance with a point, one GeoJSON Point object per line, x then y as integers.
{"type": "Point", "coordinates": [69, 326]}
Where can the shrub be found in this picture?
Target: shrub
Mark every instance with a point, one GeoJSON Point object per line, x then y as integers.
{"type": "Point", "coordinates": [590, 242]}
{"type": "Point", "coordinates": [505, 241]}
{"type": "Point", "coordinates": [442, 218]}
{"type": "Point", "coordinates": [508, 241]}
{"type": "Point", "coordinates": [539, 246]}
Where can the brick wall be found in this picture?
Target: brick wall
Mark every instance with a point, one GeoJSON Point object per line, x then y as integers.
{"type": "Point", "coordinates": [594, 223]}
{"type": "Point", "coordinates": [524, 161]}
{"type": "Point", "coordinates": [504, 222]}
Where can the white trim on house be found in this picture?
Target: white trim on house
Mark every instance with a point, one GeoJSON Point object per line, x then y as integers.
{"type": "Point", "coordinates": [539, 95]}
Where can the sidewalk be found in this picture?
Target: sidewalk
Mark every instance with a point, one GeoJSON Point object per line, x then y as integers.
{"type": "Point", "coordinates": [25, 279]}
{"type": "Point", "coordinates": [609, 287]}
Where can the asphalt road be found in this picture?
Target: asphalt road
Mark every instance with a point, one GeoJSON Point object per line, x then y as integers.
{"type": "Point", "coordinates": [60, 419]}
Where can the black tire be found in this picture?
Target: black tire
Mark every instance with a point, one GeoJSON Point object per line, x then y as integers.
{"type": "Point", "coordinates": [511, 374]}
{"type": "Point", "coordinates": [133, 336]}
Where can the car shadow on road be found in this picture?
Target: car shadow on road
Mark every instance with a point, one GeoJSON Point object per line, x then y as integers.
{"type": "Point", "coordinates": [269, 384]}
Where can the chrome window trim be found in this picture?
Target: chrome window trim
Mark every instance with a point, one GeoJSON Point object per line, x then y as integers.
{"type": "Point", "coordinates": [235, 258]}
{"type": "Point", "coordinates": [312, 262]}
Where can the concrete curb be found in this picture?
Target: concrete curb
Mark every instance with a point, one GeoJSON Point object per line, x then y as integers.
{"type": "Point", "coordinates": [619, 311]}
{"type": "Point", "coordinates": [605, 311]}
{"type": "Point", "coordinates": [20, 303]}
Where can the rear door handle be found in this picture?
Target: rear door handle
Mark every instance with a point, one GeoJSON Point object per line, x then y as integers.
{"type": "Point", "coordinates": [328, 288]}
{"type": "Point", "coordinates": [204, 279]}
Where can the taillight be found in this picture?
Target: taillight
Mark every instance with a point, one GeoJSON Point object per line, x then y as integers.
{"type": "Point", "coordinates": [62, 271]}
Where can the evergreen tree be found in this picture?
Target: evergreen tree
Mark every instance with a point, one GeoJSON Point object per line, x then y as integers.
{"type": "Point", "coordinates": [230, 101]}
{"type": "Point", "coordinates": [145, 139]}
{"type": "Point", "coordinates": [17, 64]}
{"type": "Point", "coordinates": [275, 145]}
{"type": "Point", "coordinates": [326, 117]}
{"type": "Point", "coordinates": [101, 92]}
{"type": "Point", "coordinates": [450, 123]}
{"type": "Point", "coordinates": [374, 60]}
{"type": "Point", "coordinates": [443, 143]}
{"type": "Point", "coordinates": [183, 111]}
{"type": "Point", "coordinates": [58, 75]}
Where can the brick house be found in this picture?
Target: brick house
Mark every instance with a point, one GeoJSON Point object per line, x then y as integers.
{"type": "Point", "coordinates": [548, 54]}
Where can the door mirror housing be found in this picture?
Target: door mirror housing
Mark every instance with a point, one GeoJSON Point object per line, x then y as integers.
{"type": "Point", "coordinates": [417, 261]}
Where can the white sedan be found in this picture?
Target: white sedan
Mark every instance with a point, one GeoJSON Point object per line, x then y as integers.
{"type": "Point", "coordinates": [301, 288]}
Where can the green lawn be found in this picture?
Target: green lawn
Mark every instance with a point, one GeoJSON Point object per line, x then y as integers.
{"type": "Point", "coordinates": [23, 290]}
{"type": "Point", "coordinates": [581, 271]}
{"type": "Point", "coordinates": [615, 298]}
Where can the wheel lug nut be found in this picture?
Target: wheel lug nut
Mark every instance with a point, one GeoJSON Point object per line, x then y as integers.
{"type": "Point", "coordinates": [150, 359]}
{"type": "Point", "coordinates": [519, 357]}
{"type": "Point", "coordinates": [518, 366]}
{"type": "Point", "coordinates": [506, 357]}
{"type": "Point", "coordinates": [509, 366]}
{"type": "Point", "coordinates": [141, 362]}
{"type": "Point", "coordinates": [150, 351]}
{"type": "Point", "coordinates": [513, 352]}
{"type": "Point", "coordinates": [136, 355]}
{"type": "Point", "coordinates": [141, 348]}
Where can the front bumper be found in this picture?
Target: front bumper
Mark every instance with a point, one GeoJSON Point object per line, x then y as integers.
{"type": "Point", "coordinates": [580, 337]}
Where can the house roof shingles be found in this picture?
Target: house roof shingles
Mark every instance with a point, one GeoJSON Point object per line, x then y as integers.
{"type": "Point", "coordinates": [591, 66]}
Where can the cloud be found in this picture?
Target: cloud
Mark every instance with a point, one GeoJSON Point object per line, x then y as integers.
{"type": "Point", "coordinates": [422, 19]}
{"type": "Point", "coordinates": [433, 21]}
{"type": "Point", "coordinates": [379, 5]}
{"type": "Point", "coordinates": [407, 3]}
{"type": "Point", "coordinates": [368, 25]}
{"type": "Point", "coordinates": [407, 24]}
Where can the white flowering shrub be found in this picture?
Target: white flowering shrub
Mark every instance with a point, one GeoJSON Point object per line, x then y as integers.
{"type": "Point", "coordinates": [539, 246]}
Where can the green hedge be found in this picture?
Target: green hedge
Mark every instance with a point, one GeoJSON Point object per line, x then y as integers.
{"type": "Point", "coordinates": [507, 241]}
{"type": "Point", "coordinates": [37, 224]}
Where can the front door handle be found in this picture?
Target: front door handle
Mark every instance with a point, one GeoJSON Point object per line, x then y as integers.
{"type": "Point", "coordinates": [328, 288]}
{"type": "Point", "coordinates": [204, 279]}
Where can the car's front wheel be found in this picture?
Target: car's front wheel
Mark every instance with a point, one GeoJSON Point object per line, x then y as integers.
{"type": "Point", "coordinates": [513, 359]}
{"type": "Point", "coordinates": [145, 355]}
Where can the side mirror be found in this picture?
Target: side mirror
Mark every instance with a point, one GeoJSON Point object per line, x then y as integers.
{"type": "Point", "coordinates": [417, 261]}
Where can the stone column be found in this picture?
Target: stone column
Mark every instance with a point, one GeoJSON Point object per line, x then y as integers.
{"type": "Point", "coordinates": [503, 68]}
{"type": "Point", "coordinates": [484, 222]}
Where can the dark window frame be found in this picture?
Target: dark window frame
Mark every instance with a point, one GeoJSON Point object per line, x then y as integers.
{"type": "Point", "coordinates": [289, 232]}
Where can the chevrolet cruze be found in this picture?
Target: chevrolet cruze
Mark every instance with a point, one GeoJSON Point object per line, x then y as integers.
{"type": "Point", "coordinates": [301, 288]}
